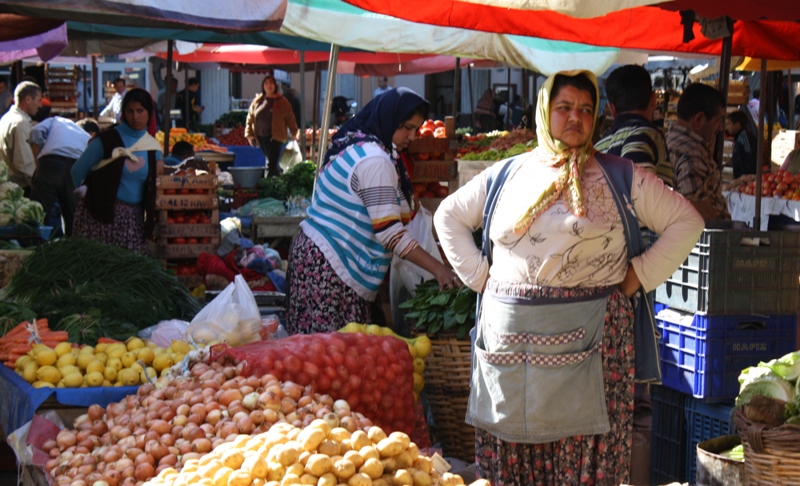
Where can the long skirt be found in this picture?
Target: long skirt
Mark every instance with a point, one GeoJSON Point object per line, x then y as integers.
{"type": "Point", "coordinates": [583, 460]}
{"type": "Point", "coordinates": [126, 231]}
{"type": "Point", "coordinates": [318, 300]}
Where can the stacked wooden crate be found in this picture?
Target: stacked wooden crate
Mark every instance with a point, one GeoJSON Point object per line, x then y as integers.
{"type": "Point", "coordinates": [435, 164]}
{"type": "Point", "coordinates": [188, 220]}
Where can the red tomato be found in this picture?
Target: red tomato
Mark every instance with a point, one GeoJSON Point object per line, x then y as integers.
{"type": "Point", "coordinates": [185, 192]}
{"type": "Point", "coordinates": [292, 364]}
{"type": "Point", "coordinates": [191, 241]}
{"type": "Point", "coordinates": [179, 241]}
{"type": "Point", "coordinates": [169, 192]}
{"type": "Point", "coordinates": [205, 240]}
{"type": "Point", "coordinates": [180, 219]}
{"type": "Point", "coordinates": [192, 220]}
{"type": "Point", "coordinates": [442, 191]}
{"type": "Point", "coordinates": [170, 220]}
{"type": "Point", "coordinates": [199, 191]}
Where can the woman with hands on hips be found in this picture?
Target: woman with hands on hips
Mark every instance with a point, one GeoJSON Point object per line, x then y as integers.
{"type": "Point", "coordinates": [551, 395]}
{"type": "Point", "coordinates": [356, 221]}
{"type": "Point", "coordinates": [270, 121]}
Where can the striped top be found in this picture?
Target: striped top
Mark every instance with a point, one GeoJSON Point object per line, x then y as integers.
{"type": "Point", "coordinates": [633, 137]}
{"type": "Point", "coordinates": [357, 217]}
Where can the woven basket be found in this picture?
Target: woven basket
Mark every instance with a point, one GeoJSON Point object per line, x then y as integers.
{"type": "Point", "coordinates": [447, 388]}
{"type": "Point", "coordinates": [771, 455]}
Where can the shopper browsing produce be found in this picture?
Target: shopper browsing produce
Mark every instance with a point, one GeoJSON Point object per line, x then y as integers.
{"type": "Point", "coordinates": [560, 268]}
{"type": "Point", "coordinates": [357, 219]}
{"type": "Point", "coordinates": [270, 121]}
{"type": "Point", "coordinates": [118, 170]}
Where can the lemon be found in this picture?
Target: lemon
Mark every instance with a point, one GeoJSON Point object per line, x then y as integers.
{"type": "Point", "coordinates": [423, 345]}
{"type": "Point", "coordinates": [419, 365]}
{"type": "Point", "coordinates": [164, 372]}
{"type": "Point", "coordinates": [128, 377]}
{"type": "Point", "coordinates": [115, 363]}
{"type": "Point", "coordinates": [107, 383]}
{"type": "Point", "coordinates": [419, 382]}
{"type": "Point", "coordinates": [148, 374]}
{"type": "Point", "coordinates": [180, 347]}
{"type": "Point", "coordinates": [146, 354]}
{"type": "Point", "coordinates": [95, 367]}
{"type": "Point", "coordinates": [42, 384]}
{"type": "Point", "coordinates": [63, 348]}
{"type": "Point", "coordinates": [413, 350]}
{"type": "Point", "coordinates": [116, 350]}
{"type": "Point", "coordinates": [29, 372]}
{"type": "Point", "coordinates": [135, 343]}
{"type": "Point", "coordinates": [416, 396]}
{"type": "Point", "coordinates": [22, 361]}
{"type": "Point", "coordinates": [162, 362]}
{"type": "Point", "coordinates": [136, 367]}
{"type": "Point", "coordinates": [110, 373]}
{"type": "Point", "coordinates": [61, 384]}
{"type": "Point", "coordinates": [374, 330]}
{"type": "Point", "coordinates": [101, 347]}
{"type": "Point", "coordinates": [101, 357]}
{"type": "Point", "coordinates": [87, 350]}
{"type": "Point", "coordinates": [178, 357]}
{"type": "Point", "coordinates": [50, 374]}
{"type": "Point", "coordinates": [45, 357]}
{"type": "Point", "coordinates": [39, 347]}
{"type": "Point", "coordinates": [83, 360]}
{"type": "Point", "coordinates": [65, 359]}
{"type": "Point", "coordinates": [151, 345]}
{"type": "Point", "coordinates": [95, 378]}
{"type": "Point", "coordinates": [67, 369]}
{"type": "Point", "coordinates": [73, 380]}
{"type": "Point", "coordinates": [128, 359]}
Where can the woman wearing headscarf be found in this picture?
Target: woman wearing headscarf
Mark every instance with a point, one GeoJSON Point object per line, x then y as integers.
{"type": "Point", "coordinates": [118, 172]}
{"type": "Point", "coordinates": [551, 394]}
{"type": "Point", "coordinates": [357, 219]}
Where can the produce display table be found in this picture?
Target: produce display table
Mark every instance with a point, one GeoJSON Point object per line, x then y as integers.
{"type": "Point", "coordinates": [275, 228]}
{"type": "Point", "coordinates": [743, 208]}
{"type": "Point", "coordinates": [21, 400]}
{"type": "Point", "coordinates": [222, 160]}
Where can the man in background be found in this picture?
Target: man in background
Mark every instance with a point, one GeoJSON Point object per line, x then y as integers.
{"type": "Point", "coordinates": [745, 144]}
{"type": "Point", "coordinates": [6, 96]}
{"type": "Point", "coordinates": [180, 152]}
{"type": "Point", "coordinates": [57, 143]}
{"type": "Point", "coordinates": [114, 107]}
{"type": "Point", "coordinates": [383, 86]}
{"type": "Point", "coordinates": [190, 119]}
{"type": "Point", "coordinates": [633, 135]}
{"type": "Point", "coordinates": [15, 131]}
{"type": "Point", "coordinates": [701, 111]}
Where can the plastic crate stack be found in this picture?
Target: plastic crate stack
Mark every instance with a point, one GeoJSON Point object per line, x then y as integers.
{"type": "Point", "coordinates": [188, 220]}
{"type": "Point", "coordinates": [730, 305]}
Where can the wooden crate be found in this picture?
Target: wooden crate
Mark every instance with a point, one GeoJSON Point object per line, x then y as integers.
{"type": "Point", "coordinates": [277, 227]}
{"type": "Point", "coordinates": [186, 202]}
{"type": "Point", "coordinates": [171, 230]}
{"type": "Point", "coordinates": [207, 181]}
{"type": "Point", "coordinates": [170, 251]}
{"type": "Point", "coordinates": [190, 281]}
{"type": "Point", "coordinates": [435, 170]}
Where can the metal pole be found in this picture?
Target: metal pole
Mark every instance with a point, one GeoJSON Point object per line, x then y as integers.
{"type": "Point", "coordinates": [724, 82]}
{"type": "Point", "coordinates": [303, 99]}
{"type": "Point", "coordinates": [471, 98]}
{"type": "Point", "coordinates": [165, 119]}
{"type": "Point", "coordinates": [315, 115]}
{"type": "Point", "coordinates": [791, 101]}
{"type": "Point", "coordinates": [760, 157]}
{"type": "Point", "coordinates": [188, 116]}
{"type": "Point", "coordinates": [457, 89]}
{"type": "Point", "coordinates": [97, 86]}
{"type": "Point", "coordinates": [326, 112]}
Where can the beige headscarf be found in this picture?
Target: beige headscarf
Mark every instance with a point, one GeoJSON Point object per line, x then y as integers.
{"type": "Point", "coordinates": [555, 153]}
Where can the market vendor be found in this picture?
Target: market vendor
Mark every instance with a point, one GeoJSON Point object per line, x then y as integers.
{"type": "Point", "coordinates": [357, 219]}
{"type": "Point", "coordinates": [553, 370]}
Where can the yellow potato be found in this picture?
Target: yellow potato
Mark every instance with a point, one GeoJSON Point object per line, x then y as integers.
{"type": "Point", "coordinates": [376, 434]}
{"type": "Point", "coordinates": [402, 437]}
{"type": "Point", "coordinates": [329, 448]}
{"type": "Point", "coordinates": [421, 478]}
{"type": "Point", "coordinates": [404, 460]}
{"type": "Point", "coordinates": [389, 465]}
{"type": "Point", "coordinates": [339, 434]}
{"type": "Point", "coordinates": [359, 439]}
{"type": "Point", "coordinates": [308, 479]}
{"type": "Point", "coordinates": [413, 451]}
{"type": "Point", "coordinates": [287, 454]}
{"type": "Point", "coordinates": [239, 478]}
{"type": "Point", "coordinates": [402, 478]}
{"type": "Point", "coordinates": [318, 464]}
{"type": "Point", "coordinates": [256, 465]}
{"type": "Point", "coordinates": [276, 471]}
{"type": "Point", "coordinates": [327, 479]}
{"type": "Point", "coordinates": [372, 467]}
{"type": "Point", "coordinates": [450, 479]}
{"type": "Point", "coordinates": [232, 458]}
{"type": "Point", "coordinates": [310, 438]}
{"type": "Point", "coordinates": [290, 479]}
{"type": "Point", "coordinates": [369, 452]}
{"type": "Point", "coordinates": [303, 459]}
{"type": "Point", "coordinates": [322, 425]}
{"type": "Point", "coordinates": [355, 457]}
{"type": "Point", "coordinates": [359, 479]}
{"type": "Point", "coordinates": [424, 464]}
{"type": "Point", "coordinates": [390, 447]}
{"type": "Point", "coordinates": [344, 468]}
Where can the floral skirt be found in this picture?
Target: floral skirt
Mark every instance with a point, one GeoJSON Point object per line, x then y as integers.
{"type": "Point", "coordinates": [318, 300]}
{"type": "Point", "coordinates": [126, 231]}
{"type": "Point", "coordinates": [583, 460]}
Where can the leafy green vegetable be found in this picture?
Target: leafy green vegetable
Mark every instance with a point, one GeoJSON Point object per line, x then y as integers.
{"type": "Point", "coordinates": [787, 367]}
{"type": "Point", "coordinates": [300, 179]}
{"type": "Point", "coordinates": [434, 310]}
{"type": "Point", "coordinates": [493, 154]}
{"type": "Point", "coordinates": [12, 314]}
{"type": "Point", "coordinates": [233, 118]}
{"type": "Point", "coordinates": [274, 187]}
{"type": "Point", "coordinates": [768, 385]}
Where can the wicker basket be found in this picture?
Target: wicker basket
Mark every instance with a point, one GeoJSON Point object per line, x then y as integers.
{"type": "Point", "coordinates": [446, 373]}
{"type": "Point", "coordinates": [771, 455]}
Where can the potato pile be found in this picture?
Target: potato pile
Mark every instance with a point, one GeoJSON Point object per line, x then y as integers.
{"type": "Point", "coordinates": [108, 364]}
{"type": "Point", "coordinates": [316, 454]}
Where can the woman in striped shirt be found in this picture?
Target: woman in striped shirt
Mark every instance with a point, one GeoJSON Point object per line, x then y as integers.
{"type": "Point", "coordinates": [357, 219]}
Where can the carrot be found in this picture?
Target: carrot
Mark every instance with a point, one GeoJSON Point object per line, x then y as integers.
{"type": "Point", "coordinates": [16, 331]}
{"type": "Point", "coordinates": [54, 335]}
{"type": "Point", "coordinates": [107, 340]}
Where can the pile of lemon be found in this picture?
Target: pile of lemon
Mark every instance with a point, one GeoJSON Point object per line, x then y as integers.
{"type": "Point", "coordinates": [131, 363]}
{"type": "Point", "coordinates": [419, 347]}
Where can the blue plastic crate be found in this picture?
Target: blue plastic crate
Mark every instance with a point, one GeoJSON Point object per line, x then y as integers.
{"type": "Point", "coordinates": [703, 355]}
{"type": "Point", "coordinates": [668, 444]}
{"type": "Point", "coordinates": [704, 421]}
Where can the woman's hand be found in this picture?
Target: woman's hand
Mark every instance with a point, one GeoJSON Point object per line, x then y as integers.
{"type": "Point", "coordinates": [630, 284]}
{"type": "Point", "coordinates": [253, 141]}
{"type": "Point", "coordinates": [447, 278]}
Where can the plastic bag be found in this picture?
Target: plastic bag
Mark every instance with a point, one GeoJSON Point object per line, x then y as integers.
{"type": "Point", "coordinates": [165, 332]}
{"type": "Point", "coordinates": [233, 316]}
{"type": "Point", "coordinates": [268, 208]}
{"type": "Point", "coordinates": [404, 274]}
{"type": "Point", "coordinates": [291, 155]}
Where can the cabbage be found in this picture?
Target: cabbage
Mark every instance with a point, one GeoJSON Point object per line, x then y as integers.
{"type": "Point", "coordinates": [787, 367]}
{"type": "Point", "coordinates": [3, 171]}
{"type": "Point", "coordinates": [769, 384]}
{"type": "Point", "coordinates": [8, 210]}
{"type": "Point", "coordinates": [10, 191]}
{"type": "Point", "coordinates": [29, 211]}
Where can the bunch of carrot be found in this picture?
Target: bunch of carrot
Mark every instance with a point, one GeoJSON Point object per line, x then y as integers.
{"type": "Point", "coordinates": [19, 340]}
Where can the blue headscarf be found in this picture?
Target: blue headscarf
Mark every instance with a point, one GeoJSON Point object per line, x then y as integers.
{"type": "Point", "coordinates": [377, 122]}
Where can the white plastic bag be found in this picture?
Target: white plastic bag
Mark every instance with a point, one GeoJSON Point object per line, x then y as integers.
{"type": "Point", "coordinates": [405, 274]}
{"type": "Point", "coordinates": [232, 316]}
{"type": "Point", "coordinates": [165, 332]}
{"type": "Point", "coordinates": [291, 155]}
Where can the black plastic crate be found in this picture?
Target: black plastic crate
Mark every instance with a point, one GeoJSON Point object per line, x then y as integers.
{"type": "Point", "coordinates": [669, 439]}
{"type": "Point", "coordinates": [737, 272]}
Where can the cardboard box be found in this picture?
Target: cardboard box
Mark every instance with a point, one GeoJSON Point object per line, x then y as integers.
{"type": "Point", "coordinates": [783, 143]}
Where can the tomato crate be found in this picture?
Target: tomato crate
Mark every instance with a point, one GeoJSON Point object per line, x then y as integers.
{"type": "Point", "coordinates": [435, 170]}
{"type": "Point", "coordinates": [174, 202]}
{"type": "Point", "coordinates": [172, 251]}
{"type": "Point", "coordinates": [179, 230]}
{"type": "Point", "coordinates": [669, 443]}
{"type": "Point", "coordinates": [703, 355]}
{"type": "Point", "coordinates": [737, 272]}
{"type": "Point", "coordinates": [435, 145]}
{"type": "Point", "coordinates": [205, 181]}
{"type": "Point", "coordinates": [704, 421]}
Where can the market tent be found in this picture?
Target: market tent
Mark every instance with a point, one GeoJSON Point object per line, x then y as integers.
{"type": "Point", "coordinates": [45, 45]}
{"type": "Point", "coordinates": [428, 65]}
{"type": "Point", "coordinates": [227, 16]}
{"type": "Point", "coordinates": [17, 26]}
{"type": "Point", "coordinates": [650, 28]}
{"type": "Point", "coordinates": [252, 54]}
{"type": "Point", "coordinates": [750, 64]}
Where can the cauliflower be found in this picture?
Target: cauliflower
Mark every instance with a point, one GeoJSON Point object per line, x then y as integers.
{"type": "Point", "coordinates": [8, 211]}
{"type": "Point", "coordinates": [3, 171]}
{"type": "Point", "coordinates": [29, 211]}
{"type": "Point", "coordinates": [10, 191]}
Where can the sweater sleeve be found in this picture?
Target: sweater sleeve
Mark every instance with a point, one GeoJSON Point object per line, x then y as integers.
{"type": "Point", "coordinates": [458, 216]}
{"type": "Point", "coordinates": [375, 181]}
{"type": "Point", "coordinates": [673, 218]}
{"type": "Point", "coordinates": [91, 156]}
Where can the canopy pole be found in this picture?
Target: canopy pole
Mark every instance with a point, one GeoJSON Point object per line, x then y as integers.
{"type": "Point", "coordinates": [457, 89]}
{"type": "Point", "coordinates": [315, 115]}
{"type": "Point", "coordinates": [96, 87]}
{"type": "Point", "coordinates": [187, 115]}
{"type": "Point", "coordinates": [300, 122]}
{"type": "Point", "coordinates": [760, 155]}
{"type": "Point", "coordinates": [326, 113]}
{"type": "Point", "coordinates": [791, 100]}
{"type": "Point", "coordinates": [471, 98]}
{"type": "Point", "coordinates": [165, 119]}
{"type": "Point", "coordinates": [724, 83]}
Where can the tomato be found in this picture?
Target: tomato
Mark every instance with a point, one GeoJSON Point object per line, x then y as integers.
{"type": "Point", "coordinates": [205, 240]}
{"type": "Point", "coordinates": [323, 383]}
{"type": "Point", "coordinates": [179, 241]}
{"type": "Point", "coordinates": [184, 192]}
{"type": "Point", "coordinates": [312, 370]}
{"type": "Point", "coordinates": [292, 364]}
{"type": "Point", "coordinates": [192, 220]}
{"type": "Point", "coordinates": [169, 192]}
{"type": "Point", "coordinates": [191, 241]}
{"type": "Point", "coordinates": [180, 219]}
{"type": "Point", "coordinates": [442, 191]}
{"type": "Point", "coordinates": [170, 220]}
{"type": "Point", "coordinates": [199, 191]}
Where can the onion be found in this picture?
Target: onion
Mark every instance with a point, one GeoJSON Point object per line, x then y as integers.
{"type": "Point", "coordinates": [167, 439]}
{"type": "Point", "coordinates": [213, 417]}
{"type": "Point", "coordinates": [98, 428]}
{"type": "Point", "coordinates": [293, 390]}
{"type": "Point", "coordinates": [66, 439]}
{"type": "Point", "coordinates": [144, 471]}
{"type": "Point", "coordinates": [270, 400]}
{"type": "Point", "coordinates": [332, 419]}
{"type": "Point", "coordinates": [341, 404]}
{"type": "Point", "coordinates": [80, 420]}
{"type": "Point", "coordinates": [228, 396]}
{"type": "Point", "coordinates": [100, 482]}
{"type": "Point", "coordinates": [86, 469]}
{"type": "Point", "coordinates": [256, 416]}
{"type": "Point", "coordinates": [228, 429]}
{"type": "Point", "coordinates": [111, 476]}
{"type": "Point", "coordinates": [270, 416]}
{"type": "Point", "coordinates": [111, 456]}
{"type": "Point", "coordinates": [158, 451]}
{"type": "Point", "coordinates": [245, 425]}
{"type": "Point", "coordinates": [201, 445]}
{"type": "Point", "coordinates": [160, 427]}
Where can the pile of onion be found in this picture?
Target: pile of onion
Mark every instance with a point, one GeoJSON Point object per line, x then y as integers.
{"type": "Point", "coordinates": [182, 418]}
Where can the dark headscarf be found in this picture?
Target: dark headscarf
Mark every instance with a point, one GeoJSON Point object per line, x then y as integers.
{"type": "Point", "coordinates": [377, 122]}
